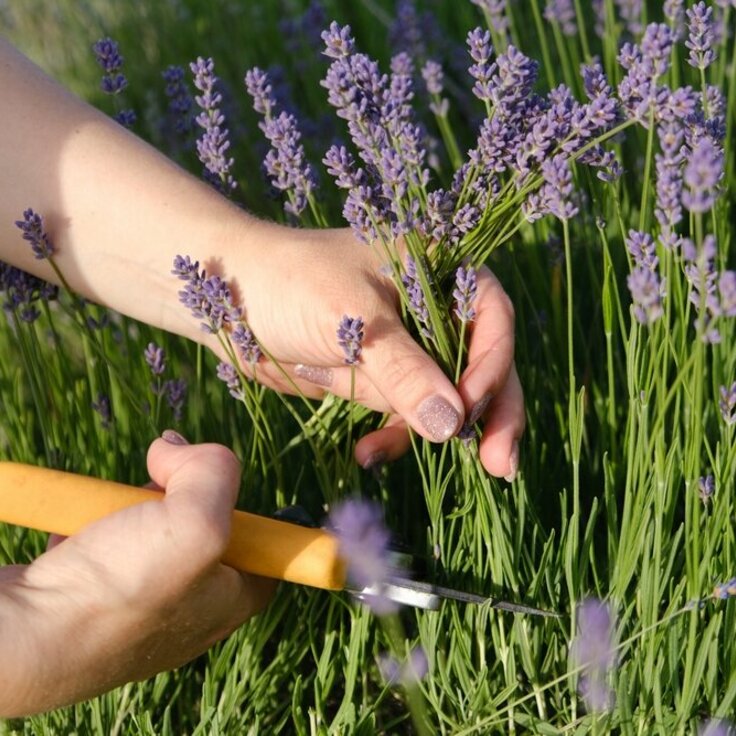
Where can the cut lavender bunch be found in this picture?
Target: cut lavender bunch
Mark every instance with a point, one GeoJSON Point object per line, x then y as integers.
{"type": "Point", "coordinates": [214, 143]}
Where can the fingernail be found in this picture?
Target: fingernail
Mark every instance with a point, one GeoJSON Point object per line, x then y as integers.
{"type": "Point", "coordinates": [439, 418]}
{"type": "Point", "coordinates": [173, 437]}
{"type": "Point", "coordinates": [377, 458]}
{"type": "Point", "coordinates": [479, 409]}
{"type": "Point", "coordinates": [314, 374]}
{"type": "Point", "coordinates": [513, 462]}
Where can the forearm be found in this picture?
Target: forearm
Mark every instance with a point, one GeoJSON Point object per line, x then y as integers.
{"type": "Point", "coordinates": [116, 209]}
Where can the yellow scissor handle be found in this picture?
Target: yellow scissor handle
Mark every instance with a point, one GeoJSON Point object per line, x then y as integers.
{"type": "Point", "coordinates": [64, 503]}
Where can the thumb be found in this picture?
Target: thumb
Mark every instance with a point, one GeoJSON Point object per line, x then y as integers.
{"type": "Point", "coordinates": [412, 383]}
{"type": "Point", "coordinates": [201, 483]}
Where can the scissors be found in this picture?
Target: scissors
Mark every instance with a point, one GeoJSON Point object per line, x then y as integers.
{"type": "Point", "coordinates": [64, 503]}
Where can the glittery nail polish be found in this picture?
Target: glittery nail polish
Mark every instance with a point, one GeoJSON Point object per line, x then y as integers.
{"type": "Point", "coordinates": [439, 418]}
{"type": "Point", "coordinates": [480, 407]}
{"type": "Point", "coordinates": [513, 462]}
{"type": "Point", "coordinates": [314, 374]}
{"type": "Point", "coordinates": [173, 437]}
{"type": "Point", "coordinates": [375, 459]}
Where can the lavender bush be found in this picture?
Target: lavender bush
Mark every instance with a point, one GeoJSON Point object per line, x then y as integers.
{"type": "Point", "coordinates": [583, 150]}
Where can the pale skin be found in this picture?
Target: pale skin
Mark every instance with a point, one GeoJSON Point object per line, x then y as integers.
{"type": "Point", "coordinates": [118, 212]}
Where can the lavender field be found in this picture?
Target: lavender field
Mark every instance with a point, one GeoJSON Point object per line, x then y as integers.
{"type": "Point", "coordinates": [583, 151]}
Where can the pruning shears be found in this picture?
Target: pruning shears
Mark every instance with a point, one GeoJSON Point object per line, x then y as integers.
{"type": "Point", "coordinates": [64, 503]}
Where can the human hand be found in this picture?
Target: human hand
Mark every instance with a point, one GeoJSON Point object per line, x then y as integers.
{"type": "Point", "coordinates": [136, 593]}
{"type": "Point", "coordinates": [294, 301]}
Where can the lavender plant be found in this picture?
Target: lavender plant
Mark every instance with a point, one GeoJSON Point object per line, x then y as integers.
{"type": "Point", "coordinates": [606, 127]}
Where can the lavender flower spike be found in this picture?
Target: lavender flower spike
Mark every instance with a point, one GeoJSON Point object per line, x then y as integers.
{"type": "Point", "coordinates": [364, 546]}
{"type": "Point", "coordinates": [727, 404]}
{"type": "Point", "coordinates": [33, 231]}
{"type": "Point", "coordinates": [109, 58]}
{"type": "Point", "coordinates": [229, 376]}
{"type": "Point", "coordinates": [466, 290]}
{"type": "Point", "coordinates": [593, 650]}
{"type": "Point", "coordinates": [350, 338]}
{"type": "Point", "coordinates": [154, 356]}
{"type": "Point", "coordinates": [213, 144]}
{"type": "Point", "coordinates": [703, 173]}
{"type": "Point", "coordinates": [702, 35]}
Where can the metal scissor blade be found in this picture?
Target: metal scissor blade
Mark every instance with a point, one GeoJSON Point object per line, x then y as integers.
{"type": "Point", "coordinates": [428, 596]}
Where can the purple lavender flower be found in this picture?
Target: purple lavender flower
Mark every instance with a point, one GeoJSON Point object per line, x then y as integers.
{"type": "Point", "coordinates": [717, 727]}
{"type": "Point", "coordinates": [364, 546]}
{"type": "Point", "coordinates": [557, 190]}
{"type": "Point", "coordinates": [23, 291]}
{"type": "Point", "coordinates": [208, 298]}
{"type": "Point", "coordinates": [213, 144]}
{"type": "Point", "coordinates": [700, 271]}
{"type": "Point", "coordinates": [725, 590]}
{"type": "Point", "coordinates": [674, 12]}
{"type": "Point", "coordinates": [260, 89]}
{"type": "Point", "coordinates": [104, 409]}
{"type": "Point", "coordinates": [701, 36]}
{"type": "Point", "coordinates": [33, 231]}
{"type": "Point", "coordinates": [229, 376]}
{"type": "Point", "coordinates": [417, 300]}
{"type": "Point", "coordinates": [562, 12]}
{"type": "Point", "coordinates": [479, 46]}
{"type": "Point", "coordinates": [113, 80]}
{"type": "Point", "coordinates": [438, 215]}
{"type": "Point", "coordinates": [155, 358]}
{"type": "Point", "coordinates": [668, 164]}
{"type": "Point", "coordinates": [727, 292]}
{"type": "Point", "coordinates": [706, 488]}
{"type": "Point", "coordinates": [703, 173]}
{"type": "Point", "coordinates": [630, 11]}
{"type": "Point", "coordinates": [433, 76]}
{"type": "Point", "coordinates": [495, 11]}
{"type": "Point", "coordinates": [656, 46]}
{"type": "Point", "coordinates": [407, 673]}
{"type": "Point", "coordinates": [175, 390]}
{"type": "Point", "coordinates": [109, 58]}
{"type": "Point", "coordinates": [245, 341]}
{"type": "Point", "coordinates": [180, 99]}
{"type": "Point", "coordinates": [512, 84]}
{"type": "Point", "coordinates": [465, 292]}
{"type": "Point", "coordinates": [286, 163]}
{"type": "Point", "coordinates": [341, 164]}
{"type": "Point", "coordinates": [339, 42]}
{"type": "Point", "coordinates": [350, 338]}
{"type": "Point", "coordinates": [642, 249]}
{"type": "Point", "coordinates": [647, 292]}
{"type": "Point", "coordinates": [727, 404]}
{"type": "Point", "coordinates": [593, 649]}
